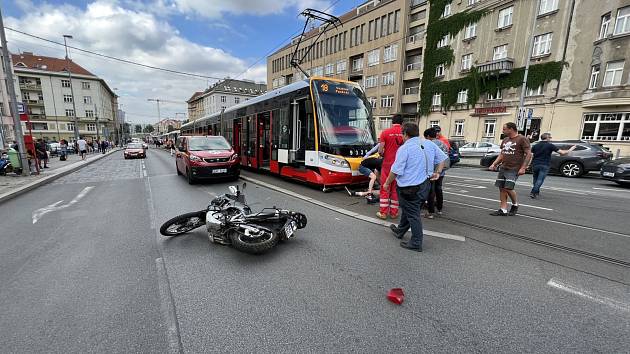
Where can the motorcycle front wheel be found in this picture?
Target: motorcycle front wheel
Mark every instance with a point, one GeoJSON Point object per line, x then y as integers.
{"type": "Point", "coordinates": [254, 245]}
{"type": "Point", "coordinates": [181, 224]}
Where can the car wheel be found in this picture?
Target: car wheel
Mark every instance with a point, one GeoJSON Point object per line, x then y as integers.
{"type": "Point", "coordinates": [571, 169]}
{"type": "Point", "coordinates": [189, 177]}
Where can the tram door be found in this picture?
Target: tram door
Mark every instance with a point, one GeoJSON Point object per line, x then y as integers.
{"type": "Point", "coordinates": [236, 136]}
{"type": "Point", "coordinates": [264, 140]}
{"type": "Point", "coordinates": [300, 127]}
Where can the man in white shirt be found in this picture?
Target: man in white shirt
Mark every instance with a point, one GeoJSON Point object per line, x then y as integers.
{"type": "Point", "coordinates": [82, 144]}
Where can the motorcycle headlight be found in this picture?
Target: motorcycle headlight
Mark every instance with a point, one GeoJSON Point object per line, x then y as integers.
{"type": "Point", "coordinates": [195, 158]}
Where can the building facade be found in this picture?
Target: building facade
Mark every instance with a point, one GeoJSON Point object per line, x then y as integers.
{"type": "Point", "coordinates": [167, 125]}
{"type": "Point", "coordinates": [221, 95]}
{"type": "Point", "coordinates": [7, 132]}
{"type": "Point", "coordinates": [589, 100]}
{"type": "Point", "coordinates": [379, 46]}
{"type": "Point", "coordinates": [51, 97]}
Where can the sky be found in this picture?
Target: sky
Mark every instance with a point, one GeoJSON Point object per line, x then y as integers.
{"type": "Point", "coordinates": [216, 38]}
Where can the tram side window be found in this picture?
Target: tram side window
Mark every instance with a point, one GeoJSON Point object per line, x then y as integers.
{"type": "Point", "coordinates": [284, 128]}
{"type": "Point", "coordinates": [252, 135]}
{"type": "Point", "coordinates": [310, 129]}
{"type": "Point", "coordinates": [275, 134]}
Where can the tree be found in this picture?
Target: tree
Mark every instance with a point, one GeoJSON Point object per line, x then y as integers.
{"type": "Point", "coordinates": [170, 128]}
{"type": "Point", "coordinates": [138, 128]}
{"type": "Point", "coordinates": [127, 128]}
{"type": "Point", "coordinates": [148, 129]}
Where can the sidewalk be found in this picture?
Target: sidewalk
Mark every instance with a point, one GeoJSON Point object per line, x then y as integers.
{"type": "Point", "coordinates": [13, 185]}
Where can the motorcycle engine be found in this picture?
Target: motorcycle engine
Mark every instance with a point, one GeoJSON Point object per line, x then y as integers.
{"type": "Point", "coordinates": [213, 221]}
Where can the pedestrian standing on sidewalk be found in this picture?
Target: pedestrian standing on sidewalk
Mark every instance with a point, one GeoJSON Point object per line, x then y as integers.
{"type": "Point", "coordinates": [513, 160]}
{"type": "Point", "coordinates": [63, 144]}
{"type": "Point", "coordinates": [436, 196]}
{"type": "Point", "coordinates": [542, 160]}
{"type": "Point", "coordinates": [390, 140]}
{"type": "Point", "coordinates": [417, 163]}
{"type": "Point", "coordinates": [82, 147]}
{"type": "Point", "coordinates": [42, 155]}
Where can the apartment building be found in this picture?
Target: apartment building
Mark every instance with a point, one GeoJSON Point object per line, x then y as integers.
{"type": "Point", "coordinates": [167, 125]}
{"type": "Point", "coordinates": [7, 133]}
{"type": "Point", "coordinates": [44, 86]}
{"type": "Point", "coordinates": [221, 95]}
{"type": "Point", "coordinates": [380, 45]}
{"type": "Point", "coordinates": [590, 99]}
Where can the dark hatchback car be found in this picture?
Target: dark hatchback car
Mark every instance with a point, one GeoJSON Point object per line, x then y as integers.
{"type": "Point", "coordinates": [585, 158]}
{"type": "Point", "coordinates": [453, 153]}
{"type": "Point", "coordinates": [617, 171]}
{"type": "Point", "coordinates": [206, 157]}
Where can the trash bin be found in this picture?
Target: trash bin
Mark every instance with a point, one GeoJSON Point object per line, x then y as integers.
{"type": "Point", "coordinates": [14, 158]}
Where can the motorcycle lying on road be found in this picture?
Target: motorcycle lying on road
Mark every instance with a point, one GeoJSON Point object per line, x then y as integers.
{"type": "Point", "coordinates": [230, 221]}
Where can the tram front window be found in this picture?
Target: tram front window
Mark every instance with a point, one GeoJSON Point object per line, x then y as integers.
{"type": "Point", "coordinates": [343, 114]}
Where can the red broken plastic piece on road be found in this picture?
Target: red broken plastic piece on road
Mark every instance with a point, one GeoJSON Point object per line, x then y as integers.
{"type": "Point", "coordinates": [396, 296]}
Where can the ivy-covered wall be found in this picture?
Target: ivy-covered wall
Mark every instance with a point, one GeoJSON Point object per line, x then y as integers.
{"type": "Point", "coordinates": [476, 83]}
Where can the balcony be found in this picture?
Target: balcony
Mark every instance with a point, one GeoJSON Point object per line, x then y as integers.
{"type": "Point", "coordinates": [32, 103]}
{"type": "Point", "coordinates": [412, 71]}
{"type": "Point", "coordinates": [497, 67]}
{"type": "Point", "coordinates": [30, 86]}
{"type": "Point", "coordinates": [415, 40]}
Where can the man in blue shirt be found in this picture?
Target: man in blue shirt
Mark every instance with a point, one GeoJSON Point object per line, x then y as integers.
{"type": "Point", "coordinates": [417, 162]}
{"type": "Point", "coordinates": [542, 160]}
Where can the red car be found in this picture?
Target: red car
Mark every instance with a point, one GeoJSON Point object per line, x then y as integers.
{"type": "Point", "coordinates": [206, 157]}
{"type": "Point", "coordinates": [134, 150]}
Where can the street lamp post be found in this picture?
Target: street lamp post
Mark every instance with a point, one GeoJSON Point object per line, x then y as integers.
{"type": "Point", "coordinates": [157, 100]}
{"type": "Point", "coordinates": [74, 107]}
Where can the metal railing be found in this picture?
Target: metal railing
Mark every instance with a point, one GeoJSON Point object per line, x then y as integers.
{"type": "Point", "coordinates": [500, 66]}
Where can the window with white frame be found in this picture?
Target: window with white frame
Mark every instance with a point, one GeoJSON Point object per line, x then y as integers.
{"type": "Point", "coordinates": [387, 101]}
{"type": "Point", "coordinates": [318, 71]}
{"type": "Point", "coordinates": [437, 100]}
{"type": "Point", "coordinates": [439, 70]}
{"type": "Point", "coordinates": [390, 53]}
{"type": "Point", "coordinates": [70, 127]}
{"type": "Point", "coordinates": [89, 113]}
{"type": "Point", "coordinates": [329, 69]}
{"type": "Point", "coordinates": [237, 100]}
{"type": "Point", "coordinates": [373, 57]}
{"type": "Point", "coordinates": [443, 42]}
{"type": "Point", "coordinates": [614, 70]}
{"type": "Point", "coordinates": [447, 10]}
{"type": "Point", "coordinates": [69, 112]}
{"type": "Point", "coordinates": [65, 83]}
{"type": "Point", "coordinates": [489, 126]}
{"type": "Point", "coordinates": [341, 66]}
{"type": "Point", "coordinates": [547, 6]}
{"type": "Point", "coordinates": [85, 85]}
{"type": "Point", "coordinates": [471, 31]}
{"type": "Point", "coordinates": [494, 96]}
{"type": "Point", "coordinates": [500, 52]}
{"type": "Point", "coordinates": [542, 44]}
{"type": "Point", "coordinates": [385, 122]}
{"type": "Point", "coordinates": [505, 17]}
{"type": "Point", "coordinates": [466, 62]}
{"type": "Point", "coordinates": [357, 64]}
{"type": "Point", "coordinates": [224, 98]}
{"type": "Point", "coordinates": [371, 81]}
{"type": "Point", "coordinates": [372, 102]}
{"type": "Point", "coordinates": [592, 82]}
{"type": "Point", "coordinates": [87, 99]}
{"type": "Point", "coordinates": [91, 127]}
{"type": "Point", "coordinates": [388, 78]}
{"type": "Point", "coordinates": [434, 123]}
{"type": "Point", "coordinates": [459, 128]}
{"type": "Point", "coordinates": [604, 27]}
{"type": "Point", "coordinates": [67, 98]}
{"type": "Point", "coordinates": [614, 126]}
{"type": "Point", "coordinates": [538, 91]}
{"type": "Point", "coordinates": [462, 96]}
{"type": "Point", "coordinates": [472, 2]}
{"type": "Point", "coordinates": [622, 24]}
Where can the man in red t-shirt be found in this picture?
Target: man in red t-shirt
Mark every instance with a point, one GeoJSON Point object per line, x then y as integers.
{"type": "Point", "coordinates": [390, 140]}
{"type": "Point", "coordinates": [442, 138]}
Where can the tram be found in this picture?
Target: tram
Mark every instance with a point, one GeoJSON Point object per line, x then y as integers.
{"type": "Point", "coordinates": [315, 130]}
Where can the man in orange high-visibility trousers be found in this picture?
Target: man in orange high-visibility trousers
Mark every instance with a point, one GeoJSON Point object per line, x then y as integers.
{"type": "Point", "coordinates": [390, 140]}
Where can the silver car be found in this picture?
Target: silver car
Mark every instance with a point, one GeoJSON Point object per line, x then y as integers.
{"type": "Point", "coordinates": [478, 149]}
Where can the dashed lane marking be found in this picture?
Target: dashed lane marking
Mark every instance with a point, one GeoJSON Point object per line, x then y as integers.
{"type": "Point", "coordinates": [589, 295]}
{"type": "Point", "coordinates": [494, 200]}
{"type": "Point", "coordinates": [345, 211]}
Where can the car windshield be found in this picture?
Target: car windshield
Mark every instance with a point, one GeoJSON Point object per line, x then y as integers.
{"type": "Point", "coordinates": [343, 113]}
{"type": "Point", "coordinates": [208, 143]}
{"type": "Point", "coordinates": [134, 146]}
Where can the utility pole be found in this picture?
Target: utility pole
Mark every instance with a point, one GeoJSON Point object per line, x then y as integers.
{"type": "Point", "coordinates": [17, 124]}
{"type": "Point", "coordinates": [157, 100]}
{"type": "Point", "coordinates": [528, 57]}
{"type": "Point", "coordinates": [96, 118]}
{"type": "Point", "coordinates": [74, 107]}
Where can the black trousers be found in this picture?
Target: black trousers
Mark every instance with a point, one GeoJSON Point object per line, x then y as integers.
{"type": "Point", "coordinates": [436, 197]}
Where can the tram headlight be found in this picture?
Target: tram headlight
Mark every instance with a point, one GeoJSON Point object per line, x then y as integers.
{"type": "Point", "coordinates": [334, 161]}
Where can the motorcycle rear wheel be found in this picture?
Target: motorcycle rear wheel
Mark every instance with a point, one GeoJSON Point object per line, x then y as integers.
{"type": "Point", "coordinates": [253, 246]}
{"type": "Point", "coordinates": [184, 223]}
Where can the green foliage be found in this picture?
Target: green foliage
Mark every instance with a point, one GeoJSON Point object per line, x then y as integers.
{"type": "Point", "coordinates": [138, 128]}
{"type": "Point", "coordinates": [476, 83]}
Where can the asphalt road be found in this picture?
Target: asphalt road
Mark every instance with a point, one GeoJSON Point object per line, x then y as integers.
{"type": "Point", "coordinates": [89, 277]}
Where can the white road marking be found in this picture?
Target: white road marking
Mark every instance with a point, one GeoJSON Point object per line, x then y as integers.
{"type": "Point", "coordinates": [465, 185]}
{"type": "Point", "coordinates": [547, 220]}
{"type": "Point", "coordinates": [526, 184]}
{"type": "Point", "coordinates": [494, 200]}
{"type": "Point", "coordinates": [37, 214]}
{"type": "Point", "coordinates": [345, 211]}
{"type": "Point", "coordinates": [589, 295]}
{"type": "Point", "coordinates": [612, 189]}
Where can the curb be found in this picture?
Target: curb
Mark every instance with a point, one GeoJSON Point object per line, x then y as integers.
{"type": "Point", "coordinates": [63, 171]}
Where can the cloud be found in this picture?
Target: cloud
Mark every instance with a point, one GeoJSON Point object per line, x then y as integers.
{"type": "Point", "coordinates": [106, 27]}
{"type": "Point", "coordinates": [215, 9]}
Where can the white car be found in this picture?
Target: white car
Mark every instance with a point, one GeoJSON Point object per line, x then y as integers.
{"type": "Point", "coordinates": [478, 149]}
